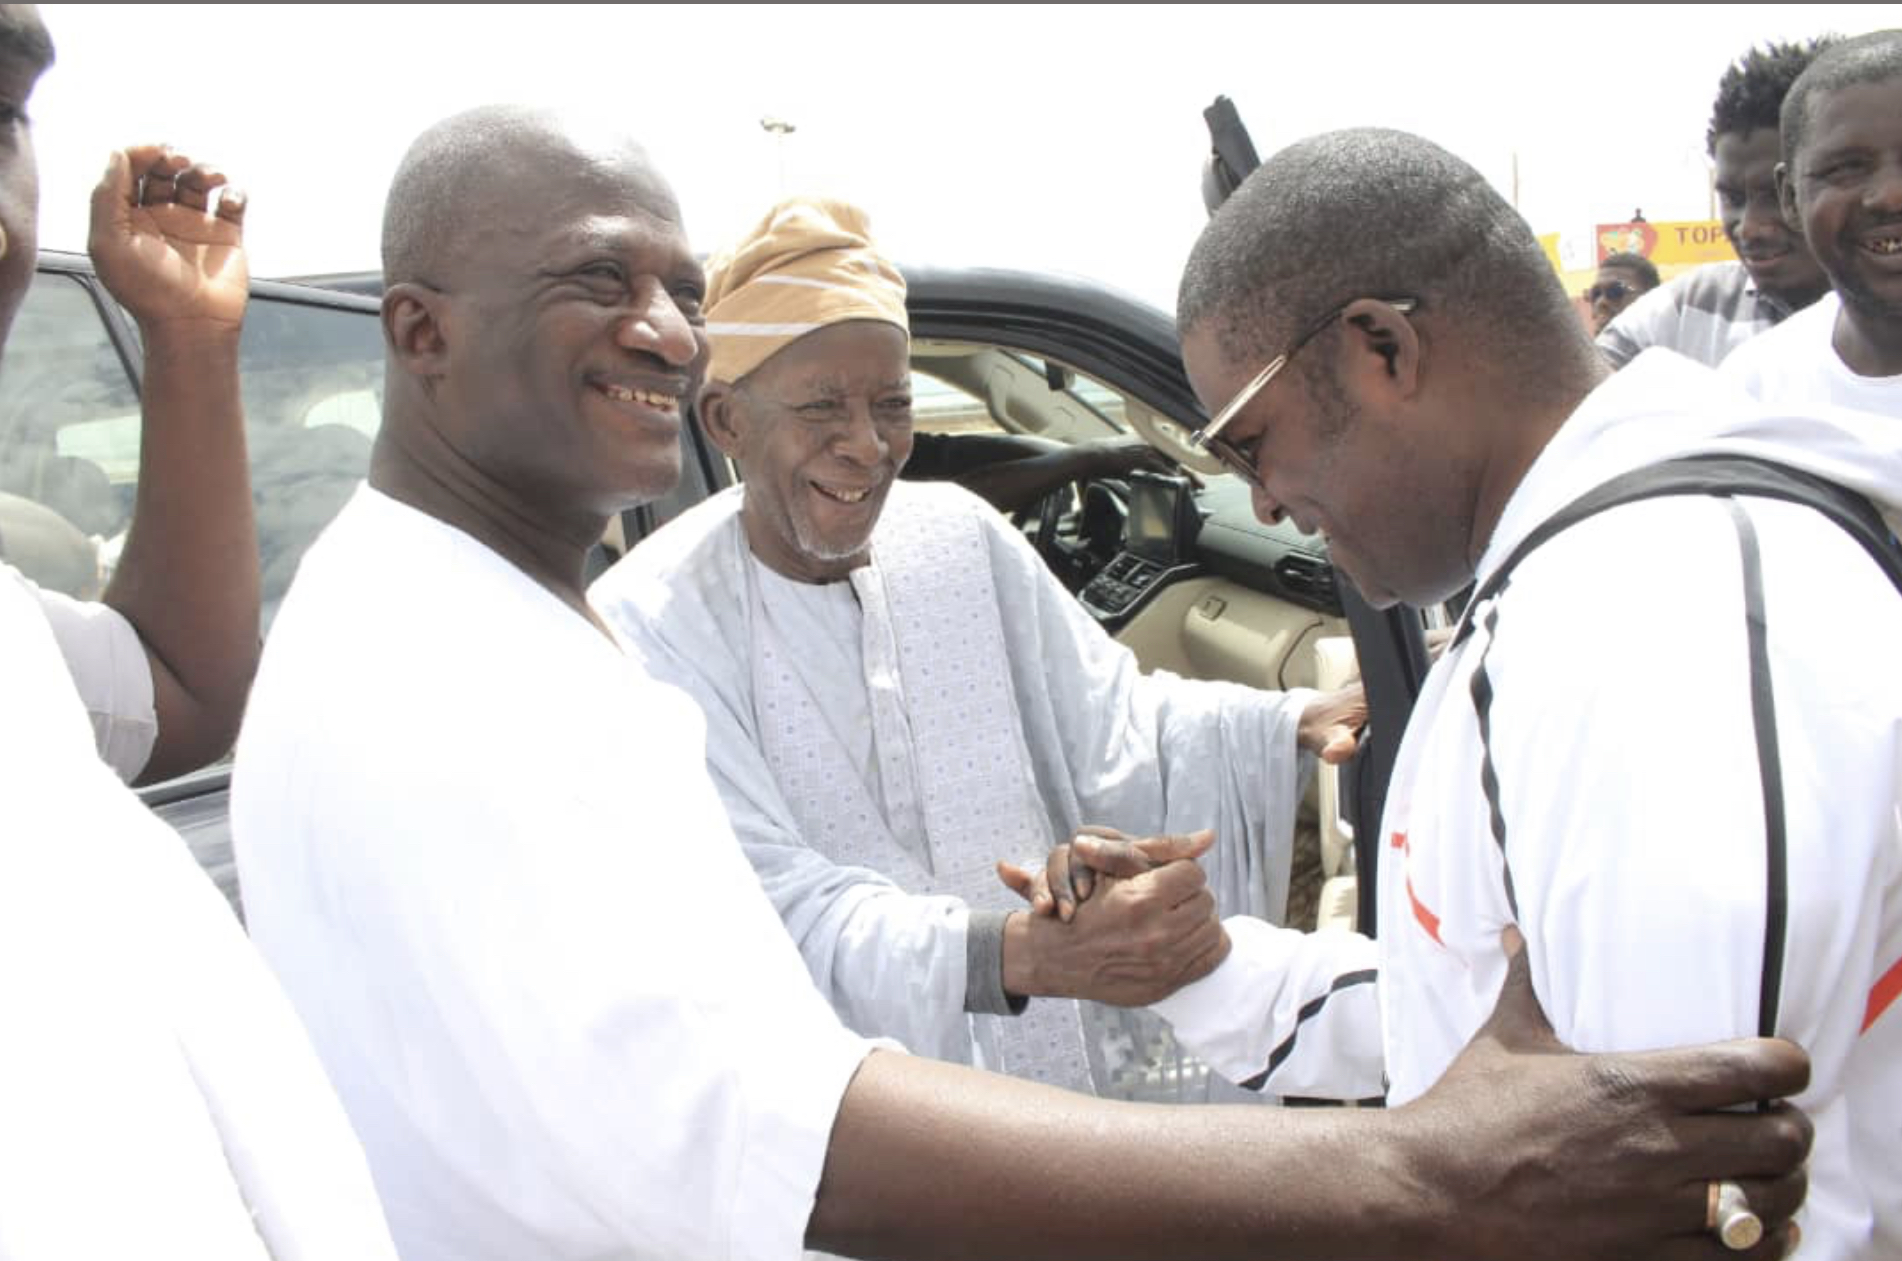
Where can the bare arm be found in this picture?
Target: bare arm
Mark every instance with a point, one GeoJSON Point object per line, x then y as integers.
{"type": "Point", "coordinates": [1018, 483]}
{"type": "Point", "coordinates": [188, 575]}
{"type": "Point", "coordinates": [1521, 1150]}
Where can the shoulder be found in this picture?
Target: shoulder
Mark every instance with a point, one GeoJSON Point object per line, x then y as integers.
{"type": "Point", "coordinates": [1800, 341]}
{"type": "Point", "coordinates": [1716, 287]}
{"type": "Point", "coordinates": [676, 549]}
{"type": "Point", "coordinates": [915, 510]}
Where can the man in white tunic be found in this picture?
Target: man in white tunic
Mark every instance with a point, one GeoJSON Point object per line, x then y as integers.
{"type": "Point", "coordinates": [1841, 179]}
{"type": "Point", "coordinates": [480, 846]}
{"type": "Point", "coordinates": [900, 693]}
{"type": "Point", "coordinates": [1671, 883]}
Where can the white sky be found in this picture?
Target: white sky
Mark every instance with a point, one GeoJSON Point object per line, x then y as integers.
{"type": "Point", "coordinates": [1046, 137]}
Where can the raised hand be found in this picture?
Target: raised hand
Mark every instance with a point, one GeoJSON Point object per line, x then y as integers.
{"type": "Point", "coordinates": [167, 238]}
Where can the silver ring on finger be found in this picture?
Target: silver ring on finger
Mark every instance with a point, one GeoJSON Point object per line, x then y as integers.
{"type": "Point", "coordinates": [1728, 1215]}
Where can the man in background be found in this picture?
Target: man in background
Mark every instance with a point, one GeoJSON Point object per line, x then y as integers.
{"type": "Point", "coordinates": [1622, 279]}
{"type": "Point", "coordinates": [1711, 310]}
{"type": "Point", "coordinates": [1841, 180]}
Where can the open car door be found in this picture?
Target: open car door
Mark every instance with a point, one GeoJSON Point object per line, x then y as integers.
{"type": "Point", "coordinates": [1390, 644]}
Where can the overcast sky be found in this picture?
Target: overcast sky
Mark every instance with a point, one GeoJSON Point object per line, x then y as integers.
{"type": "Point", "coordinates": [1058, 138]}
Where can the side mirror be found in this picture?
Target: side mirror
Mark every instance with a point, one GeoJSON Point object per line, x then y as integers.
{"type": "Point", "coordinates": [1231, 155]}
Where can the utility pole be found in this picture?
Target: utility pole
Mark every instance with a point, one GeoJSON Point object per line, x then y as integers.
{"type": "Point", "coordinates": [779, 128]}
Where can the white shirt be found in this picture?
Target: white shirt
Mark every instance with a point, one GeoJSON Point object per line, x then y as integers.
{"type": "Point", "coordinates": [159, 1097]}
{"type": "Point", "coordinates": [480, 848]}
{"type": "Point", "coordinates": [1797, 364]}
{"type": "Point", "coordinates": [108, 665]}
{"type": "Point", "coordinates": [1622, 738]}
{"type": "Point", "coordinates": [1703, 314]}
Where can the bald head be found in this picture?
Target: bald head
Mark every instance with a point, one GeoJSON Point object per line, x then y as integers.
{"type": "Point", "coordinates": [1872, 58]}
{"type": "Point", "coordinates": [1367, 213]}
{"type": "Point", "coordinates": [460, 172]}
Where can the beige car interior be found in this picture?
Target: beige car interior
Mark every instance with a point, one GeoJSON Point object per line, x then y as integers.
{"type": "Point", "coordinates": [1207, 627]}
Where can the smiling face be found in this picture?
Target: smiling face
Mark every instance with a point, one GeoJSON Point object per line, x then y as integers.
{"type": "Point", "coordinates": [1845, 187]}
{"type": "Point", "coordinates": [820, 431]}
{"type": "Point", "coordinates": [1778, 261]}
{"type": "Point", "coordinates": [1362, 466]}
{"type": "Point", "coordinates": [574, 331]}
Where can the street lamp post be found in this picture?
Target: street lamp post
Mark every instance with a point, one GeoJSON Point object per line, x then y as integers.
{"type": "Point", "coordinates": [779, 128]}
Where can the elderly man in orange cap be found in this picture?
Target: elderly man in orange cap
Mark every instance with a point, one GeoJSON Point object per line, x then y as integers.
{"type": "Point", "coordinates": [900, 694]}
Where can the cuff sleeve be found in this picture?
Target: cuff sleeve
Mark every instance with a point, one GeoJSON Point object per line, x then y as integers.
{"type": "Point", "coordinates": [984, 967]}
{"type": "Point", "coordinates": [1288, 1013]}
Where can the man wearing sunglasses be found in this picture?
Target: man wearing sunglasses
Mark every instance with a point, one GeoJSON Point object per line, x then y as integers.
{"type": "Point", "coordinates": [1419, 390]}
{"type": "Point", "coordinates": [1622, 279]}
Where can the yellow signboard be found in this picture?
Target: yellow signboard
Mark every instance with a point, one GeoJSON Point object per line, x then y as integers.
{"type": "Point", "coordinates": [1683, 243]}
{"type": "Point", "coordinates": [1549, 242]}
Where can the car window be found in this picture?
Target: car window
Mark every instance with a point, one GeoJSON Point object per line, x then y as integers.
{"type": "Point", "coordinates": [1106, 404]}
{"type": "Point", "coordinates": [69, 441]}
{"type": "Point", "coordinates": [70, 432]}
{"type": "Point", "coordinates": [313, 396]}
{"type": "Point", "coordinates": [937, 406]}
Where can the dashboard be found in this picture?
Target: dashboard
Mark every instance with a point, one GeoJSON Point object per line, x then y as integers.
{"type": "Point", "coordinates": [1165, 530]}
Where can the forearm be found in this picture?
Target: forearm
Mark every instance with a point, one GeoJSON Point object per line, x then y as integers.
{"type": "Point", "coordinates": [187, 579]}
{"type": "Point", "coordinates": [1041, 1173]}
{"type": "Point", "coordinates": [1288, 1013]}
{"type": "Point", "coordinates": [1012, 484]}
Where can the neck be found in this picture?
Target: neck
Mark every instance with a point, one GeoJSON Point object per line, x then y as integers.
{"type": "Point", "coordinates": [1868, 342]}
{"type": "Point", "coordinates": [413, 464]}
{"type": "Point", "coordinates": [1798, 299]}
{"type": "Point", "coordinates": [1528, 424]}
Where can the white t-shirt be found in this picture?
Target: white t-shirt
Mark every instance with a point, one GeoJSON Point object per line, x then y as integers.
{"type": "Point", "coordinates": [108, 666]}
{"type": "Point", "coordinates": [1620, 736]}
{"type": "Point", "coordinates": [1796, 363]}
{"type": "Point", "coordinates": [159, 1098]}
{"type": "Point", "coordinates": [482, 851]}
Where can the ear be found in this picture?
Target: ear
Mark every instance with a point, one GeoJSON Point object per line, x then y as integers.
{"type": "Point", "coordinates": [413, 328]}
{"type": "Point", "coordinates": [721, 415]}
{"type": "Point", "coordinates": [1383, 348]}
{"type": "Point", "coordinates": [1786, 198]}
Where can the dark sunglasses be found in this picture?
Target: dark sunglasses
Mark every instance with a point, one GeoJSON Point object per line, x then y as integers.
{"type": "Point", "coordinates": [1612, 291]}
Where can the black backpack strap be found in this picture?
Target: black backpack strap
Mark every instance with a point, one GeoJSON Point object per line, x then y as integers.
{"type": "Point", "coordinates": [1722, 475]}
{"type": "Point", "coordinates": [1728, 477]}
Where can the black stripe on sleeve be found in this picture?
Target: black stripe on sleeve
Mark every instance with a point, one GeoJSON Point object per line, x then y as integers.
{"type": "Point", "coordinates": [1770, 772]}
{"type": "Point", "coordinates": [1482, 688]}
{"type": "Point", "coordinates": [1309, 1010]}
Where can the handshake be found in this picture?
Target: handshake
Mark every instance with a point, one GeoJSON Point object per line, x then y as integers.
{"type": "Point", "coordinates": [1114, 919]}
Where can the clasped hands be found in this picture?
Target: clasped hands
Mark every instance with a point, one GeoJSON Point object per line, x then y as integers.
{"type": "Point", "coordinates": [1112, 918]}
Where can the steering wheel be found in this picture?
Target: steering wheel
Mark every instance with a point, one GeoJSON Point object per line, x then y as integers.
{"type": "Point", "coordinates": [1071, 562]}
{"type": "Point", "coordinates": [1047, 512]}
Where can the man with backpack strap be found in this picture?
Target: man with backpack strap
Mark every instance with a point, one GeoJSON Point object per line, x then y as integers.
{"type": "Point", "coordinates": [1667, 749]}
